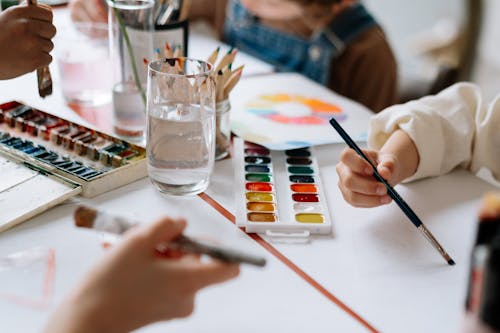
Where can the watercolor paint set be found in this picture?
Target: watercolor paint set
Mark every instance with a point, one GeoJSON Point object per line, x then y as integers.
{"type": "Point", "coordinates": [45, 160]}
{"type": "Point", "coordinates": [279, 193]}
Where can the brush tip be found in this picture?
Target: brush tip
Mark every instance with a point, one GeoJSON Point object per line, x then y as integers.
{"type": "Point", "coordinates": [84, 216]}
{"type": "Point", "coordinates": [451, 262]}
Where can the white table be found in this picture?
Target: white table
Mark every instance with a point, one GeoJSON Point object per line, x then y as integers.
{"type": "Point", "coordinates": [376, 264]}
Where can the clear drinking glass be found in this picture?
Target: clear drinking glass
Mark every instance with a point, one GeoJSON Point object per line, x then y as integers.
{"type": "Point", "coordinates": [82, 54]}
{"type": "Point", "coordinates": [131, 46]}
{"type": "Point", "coordinates": [180, 133]}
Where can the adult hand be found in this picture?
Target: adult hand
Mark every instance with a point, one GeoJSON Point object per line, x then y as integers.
{"type": "Point", "coordinates": [134, 286]}
{"type": "Point", "coordinates": [88, 11]}
{"type": "Point", "coordinates": [25, 39]}
{"type": "Point", "coordinates": [356, 181]}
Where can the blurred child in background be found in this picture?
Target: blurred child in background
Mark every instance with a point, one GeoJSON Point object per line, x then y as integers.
{"type": "Point", "coordinates": [334, 42]}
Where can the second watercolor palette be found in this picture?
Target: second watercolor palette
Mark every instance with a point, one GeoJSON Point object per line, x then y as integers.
{"type": "Point", "coordinates": [279, 193]}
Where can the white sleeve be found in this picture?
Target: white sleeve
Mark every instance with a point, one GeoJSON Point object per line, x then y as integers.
{"type": "Point", "coordinates": [450, 129]}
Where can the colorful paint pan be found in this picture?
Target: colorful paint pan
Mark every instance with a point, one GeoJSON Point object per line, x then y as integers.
{"type": "Point", "coordinates": [65, 148]}
{"type": "Point", "coordinates": [259, 186]}
{"type": "Point", "coordinates": [299, 161]}
{"type": "Point", "coordinates": [261, 217]}
{"type": "Point", "coordinates": [257, 177]}
{"type": "Point", "coordinates": [304, 188]}
{"type": "Point", "coordinates": [261, 207]}
{"type": "Point", "coordinates": [259, 197]}
{"type": "Point", "coordinates": [310, 218]}
{"type": "Point", "coordinates": [305, 197]}
{"type": "Point", "coordinates": [300, 170]}
{"type": "Point", "coordinates": [279, 193]}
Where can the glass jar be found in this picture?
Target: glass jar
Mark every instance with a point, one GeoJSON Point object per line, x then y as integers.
{"type": "Point", "coordinates": [131, 47]}
{"type": "Point", "coordinates": [222, 129]}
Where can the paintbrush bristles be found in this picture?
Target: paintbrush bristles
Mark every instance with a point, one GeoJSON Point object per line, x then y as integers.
{"type": "Point", "coordinates": [84, 216]}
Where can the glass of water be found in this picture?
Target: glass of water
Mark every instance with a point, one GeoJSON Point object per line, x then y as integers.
{"type": "Point", "coordinates": [180, 134]}
{"type": "Point", "coordinates": [82, 55]}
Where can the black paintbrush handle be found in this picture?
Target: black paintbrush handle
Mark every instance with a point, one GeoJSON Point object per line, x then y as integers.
{"type": "Point", "coordinates": [390, 190]}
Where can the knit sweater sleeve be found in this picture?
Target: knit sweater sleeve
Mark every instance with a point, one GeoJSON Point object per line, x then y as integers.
{"type": "Point", "coordinates": [451, 129]}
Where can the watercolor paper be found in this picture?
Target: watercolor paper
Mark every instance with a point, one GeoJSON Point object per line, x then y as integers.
{"type": "Point", "coordinates": [287, 111]}
{"type": "Point", "coordinates": [13, 173]}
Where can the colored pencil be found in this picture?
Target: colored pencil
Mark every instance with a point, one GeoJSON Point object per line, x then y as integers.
{"type": "Point", "coordinates": [232, 81]}
{"type": "Point", "coordinates": [88, 217]}
{"type": "Point", "coordinates": [227, 59]}
{"type": "Point", "coordinates": [213, 57]}
{"type": "Point", "coordinates": [394, 195]}
{"type": "Point", "coordinates": [177, 51]}
{"type": "Point", "coordinates": [168, 51]}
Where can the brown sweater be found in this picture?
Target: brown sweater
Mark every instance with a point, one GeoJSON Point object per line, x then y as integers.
{"type": "Point", "coordinates": [366, 71]}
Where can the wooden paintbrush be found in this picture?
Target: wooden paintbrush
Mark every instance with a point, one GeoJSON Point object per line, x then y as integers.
{"type": "Point", "coordinates": [43, 73]}
{"type": "Point", "coordinates": [88, 217]}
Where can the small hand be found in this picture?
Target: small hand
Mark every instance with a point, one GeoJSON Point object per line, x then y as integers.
{"type": "Point", "coordinates": [356, 181]}
{"type": "Point", "coordinates": [88, 11]}
{"type": "Point", "coordinates": [134, 286]}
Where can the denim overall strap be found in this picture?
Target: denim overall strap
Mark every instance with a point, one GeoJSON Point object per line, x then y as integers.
{"type": "Point", "coordinates": [310, 57]}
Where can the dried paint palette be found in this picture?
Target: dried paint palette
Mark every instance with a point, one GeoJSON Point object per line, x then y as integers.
{"type": "Point", "coordinates": [279, 192]}
{"type": "Point", "coordinates": [45, 160]}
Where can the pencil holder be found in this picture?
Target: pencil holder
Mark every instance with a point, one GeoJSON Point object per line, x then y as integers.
{"type": "Point", "coordinates": [222, 129]}
{"type": "Point", "coordinates": [131, 45]}
{"type": "Point", "coordinates": [173, 34]}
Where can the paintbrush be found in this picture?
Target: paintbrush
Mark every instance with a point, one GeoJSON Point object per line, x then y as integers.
{"type": "Point", "coordinates": [88, 217]}
{"type": "Point", "coordinates": [394, 195]}
{"type": "Point", "coordinates": [43, 73]}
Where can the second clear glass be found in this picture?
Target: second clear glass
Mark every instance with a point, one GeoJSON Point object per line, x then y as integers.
{"type": "Point", "coordinates": [131, 46]}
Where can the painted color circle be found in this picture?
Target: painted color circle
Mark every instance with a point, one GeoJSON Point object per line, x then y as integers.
{"type": "Point", "coordinates": [294, 109]}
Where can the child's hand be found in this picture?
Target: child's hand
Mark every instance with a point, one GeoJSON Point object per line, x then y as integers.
{"type": "Point", "coordinates": [25, 39]}
{"type": "Point", "coordinates": [134, 286]}
{"type": "Point", "coordinates": [356, 180]}
{"type": "Point", "coordinates": [88, 11]}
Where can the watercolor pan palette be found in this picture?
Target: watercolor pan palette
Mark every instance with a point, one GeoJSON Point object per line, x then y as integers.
{"type": "Point", "coordinates": [45, 160]}
{"type": "Point", "coordinates": [279, 193]}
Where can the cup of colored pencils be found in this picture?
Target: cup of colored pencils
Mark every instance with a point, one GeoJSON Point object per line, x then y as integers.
{"type": "Point", "coordinates": [226, 79]}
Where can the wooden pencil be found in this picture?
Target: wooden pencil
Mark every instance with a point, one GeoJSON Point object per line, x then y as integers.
{"type": "Point", "coordinates": [227, 59]}
{"type": "Point", "coordinates": [231, 82]}
{"type": "Point", "coordinates": [213, 57]}
{"type": "Point", "coordinates": [168, 51]}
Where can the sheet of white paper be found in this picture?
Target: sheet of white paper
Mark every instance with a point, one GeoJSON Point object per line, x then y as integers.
{"type": "Point", "coordinates": [286, 111]}
{"type": "Point", "coordinates": [259, 300]}
{"type": "Point", "coordinates": [32, 196]}
{"type": "Point", "coordinates": [13, 173]}
{"type": "Point", "coordinates": [382, 265]}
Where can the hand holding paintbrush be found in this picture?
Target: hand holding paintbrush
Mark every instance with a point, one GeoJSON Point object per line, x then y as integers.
{"type": "Point", "coordinates": [131, 286]}
{"type": "Point", "coordinates": [88, 217]}
{"type": "Point", "coordinates": [25, 40]}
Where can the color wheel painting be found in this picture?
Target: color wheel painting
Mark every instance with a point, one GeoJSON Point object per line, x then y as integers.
{"type": "Point", "coordinates": [295, 109]}
{"type": "Point", "coordinates": [286, 111]}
